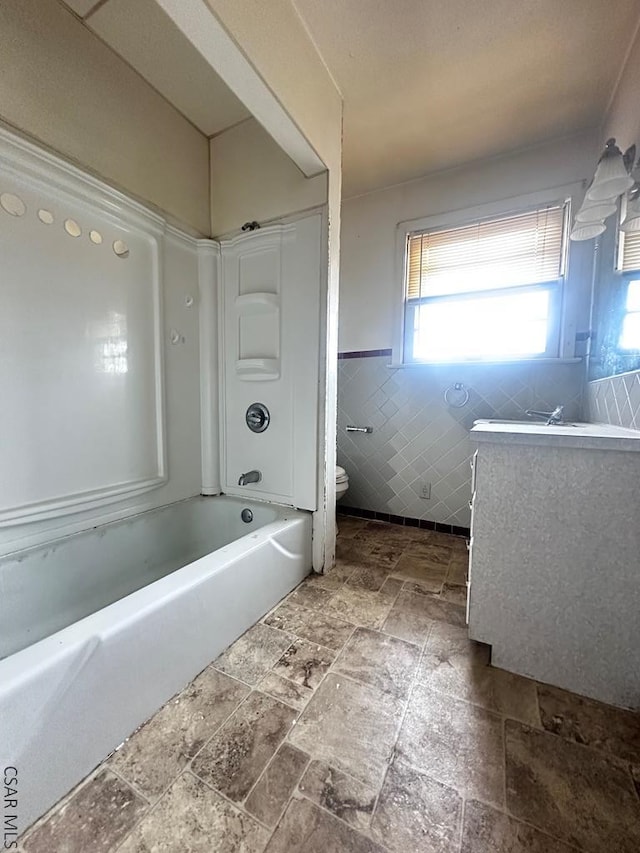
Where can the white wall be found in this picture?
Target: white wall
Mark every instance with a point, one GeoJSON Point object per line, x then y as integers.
{"type": "Point", "coordinates": [274, 39]}
{"type": "Point", "coordinates": [417, 437]}
{"type": "Point", "coordinates": [63, 86]}
{"type": "Point", "coordinates": [253, 179]}
{"type": "Point", "coordinates": [623, 117]}
{"type": "Point", "coordinates": [368, 275]}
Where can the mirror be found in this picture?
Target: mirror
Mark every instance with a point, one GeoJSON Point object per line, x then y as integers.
{"type": "Point", "coordinates": [612, 325]}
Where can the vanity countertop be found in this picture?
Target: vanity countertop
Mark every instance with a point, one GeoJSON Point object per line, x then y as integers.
{"type": "Point", "coordinates": [577, 435]}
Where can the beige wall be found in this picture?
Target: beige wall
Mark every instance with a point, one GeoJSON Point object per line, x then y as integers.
{"type": "Point", "coordinates": [275, 40]}
{"type": "Point", "coordinates": [252, 178]}
{"type": "Point", "coordinates": [623, 118]}
{"type": "Point", "coordinates": [63, 86]}
{"type": "Point", "coordinates": [369, 284]}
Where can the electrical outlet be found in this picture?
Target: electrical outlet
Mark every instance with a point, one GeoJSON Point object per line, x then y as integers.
{"type": "Point", "coordinates": [425, 491]}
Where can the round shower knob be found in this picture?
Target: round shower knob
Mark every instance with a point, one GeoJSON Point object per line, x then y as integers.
{"type": "Point", "coordinates": [257, 417]}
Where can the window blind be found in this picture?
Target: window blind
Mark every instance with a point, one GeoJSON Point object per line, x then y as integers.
{"type": "Point", "coordinates": [629, 251]}
{"type": "Point", "coordinates": [513, 250]}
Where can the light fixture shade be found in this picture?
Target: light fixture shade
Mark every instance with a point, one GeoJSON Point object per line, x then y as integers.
{"type": "Point", "coordinates": [611, 178]}
{"type": "Point", "coordinates": [595, 211]}
{"type": "Point", "coordinates": [631, 221]}
{"type": "Point", "coordinates": [586, 230]}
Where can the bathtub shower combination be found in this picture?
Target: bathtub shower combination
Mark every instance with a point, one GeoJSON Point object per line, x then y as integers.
{"type": "Point", "coordinates": [131, 360]}
{"type": "Point", "coordinates": [122, 617]}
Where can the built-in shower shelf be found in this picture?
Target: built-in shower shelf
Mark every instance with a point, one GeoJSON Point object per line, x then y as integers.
{"type": "Point", "coordinates": [257, 369]}
{"type": "Point", "coordinates": [257, 303]}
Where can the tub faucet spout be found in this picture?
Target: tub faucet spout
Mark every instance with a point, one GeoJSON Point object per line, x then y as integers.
{"type": "Point", "coordinates": [250, 477]}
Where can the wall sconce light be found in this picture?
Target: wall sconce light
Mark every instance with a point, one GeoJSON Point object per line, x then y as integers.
{"type": "Point", "coordinates": [612, 178]}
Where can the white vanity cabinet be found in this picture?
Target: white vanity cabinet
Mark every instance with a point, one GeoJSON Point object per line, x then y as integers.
{"type": "Point", "coordinates": [554, 573]}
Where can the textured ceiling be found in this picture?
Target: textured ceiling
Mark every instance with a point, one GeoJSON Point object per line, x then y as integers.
{"type": "Point", "coordinates": [149, 41]}
{"type": "Point", "coordinates": [429, 85]}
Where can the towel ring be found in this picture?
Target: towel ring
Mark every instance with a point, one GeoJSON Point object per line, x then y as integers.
{"type": "Point", "coordinates": [456, 396]}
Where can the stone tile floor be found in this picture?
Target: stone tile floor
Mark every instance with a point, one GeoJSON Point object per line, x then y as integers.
{"type": "Point", "coordinates": [357, 716]}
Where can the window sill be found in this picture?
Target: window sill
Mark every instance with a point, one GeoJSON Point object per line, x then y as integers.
{"type": "Point", "coordinates": [469, 363]}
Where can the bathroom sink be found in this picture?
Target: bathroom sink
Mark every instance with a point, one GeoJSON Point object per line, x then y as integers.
{"type": "Point", "coordinates": [529, 422]}
{"type": "Point", "coordinates": [583, 435]}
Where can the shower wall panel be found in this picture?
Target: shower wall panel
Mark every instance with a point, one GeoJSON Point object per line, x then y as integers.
{"type": "Point", "coordinates": [270, 344]}
{"type": "Point", "coordinates": [98, 352]}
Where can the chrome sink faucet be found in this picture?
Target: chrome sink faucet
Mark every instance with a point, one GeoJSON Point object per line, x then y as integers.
{"type": "Point", "coordinates": [250, 477]}
{"type": "Point", "coordinates": [554, 417]}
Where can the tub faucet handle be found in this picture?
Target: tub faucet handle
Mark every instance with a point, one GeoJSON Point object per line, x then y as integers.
{"type": "Point", "coordinates": [250, 477]}
{"type": "Point", "coordinates": [554, 417]}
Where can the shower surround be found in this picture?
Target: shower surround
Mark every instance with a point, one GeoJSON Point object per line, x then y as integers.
{"type": "Point", "coordinates": [130, 352]}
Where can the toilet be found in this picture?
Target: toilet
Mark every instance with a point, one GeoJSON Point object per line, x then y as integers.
{"type": "Point", "coordinates": [342, 482]}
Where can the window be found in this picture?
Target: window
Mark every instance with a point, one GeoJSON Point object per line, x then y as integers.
{"type": "Point", "coordinates": [630, 333]}
{"type": "Point", "coordinates": [629, 266]}
{"type": "Point", "coordinates": [628, 251]}
{"type": "Point", "coordinates": [488, 290]}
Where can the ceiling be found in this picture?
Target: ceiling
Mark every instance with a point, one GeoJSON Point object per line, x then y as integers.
{"type": "Point", "coordinates": [427, 84]}
{"type": "Point", "coordinates": [432, 84]}
{"type": "Point", "coordinates": [149, 41]}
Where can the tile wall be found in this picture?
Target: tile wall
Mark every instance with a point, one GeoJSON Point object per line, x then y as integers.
{"type": "Point", "coordinates": [417, 438]}
{"type": "Point", "coordinates": [615, 400]}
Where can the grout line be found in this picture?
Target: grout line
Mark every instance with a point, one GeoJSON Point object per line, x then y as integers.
{"type": "Point", "coordinates": [129, 784]}
{"type": "Point", "coordinates": [146, 814]}
{"type": "Point", "coordinates": [322, 808]}
{"type": "Point", "coordinates": [503, 742]}
{"type": "Point", "coordinates": [346, 773]}
{"type": "Point", "coordinates": [506, 813]}
{"type": "Point", "coordinates": [333, 671]}
{"type": "Point", "coordinates": [463, 815]}
{"type": "Point", "coordinates": [243, 802]}
{"type": "Point", "coordinates": [609, 757]}
{"type": "Point", "coordinates": [241, 806]}
{"type": "Point", "coordinates": [376, 799]}
{"type": "Point", "coordinates": [283, 701]}
{"type": "Point", "coordinates": [290, 797]}
{"type": "Point", "coordinates": [243, 701]}
{"type": "Point", "coordinates": [636, 788]}
{"type": "Point", "coordinates": [236, 806]}
{"type": "Point", "coordinates": [153, 805]}
{"type": "Point", "coordinates": [272, 759]}
{"type": "Point", "coordinates": [187, 766]}
{"type": "Point", "coordinates": [60, 804]}
{"type": "Point", "coordinates": [402, 719]}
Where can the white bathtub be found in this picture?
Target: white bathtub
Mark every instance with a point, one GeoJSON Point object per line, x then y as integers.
{"type": "Point", "coordinates": [99, 629]}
